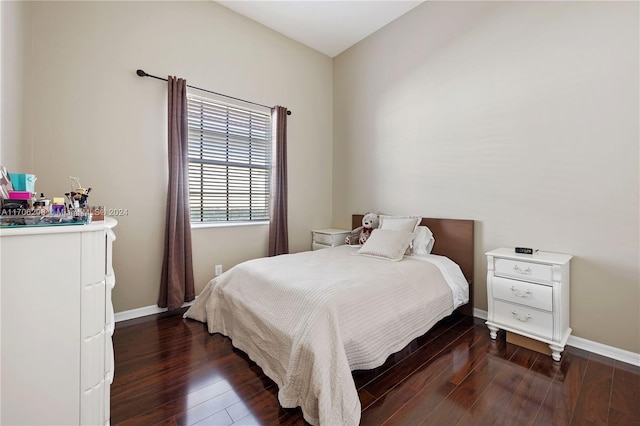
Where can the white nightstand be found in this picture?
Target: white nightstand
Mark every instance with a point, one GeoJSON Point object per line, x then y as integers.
{"type": "Point", "coordinates": [323, 238]}
{"type": "Point", "coordinates": [528, 294]}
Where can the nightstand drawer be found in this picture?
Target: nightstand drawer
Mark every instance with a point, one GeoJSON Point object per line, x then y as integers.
{"type": "Point", "coordinates": [330, 237]}
{"type": "Point", "coordinates": [318, 246]}
{"type": "Point", "coordinates": [525, 319]}
{"type": "Point", "coordinates": [327, 239]}
{"type": "Point", "coordinates": [520, 270]}
{"type": "Point", "coordinates": [525, 293]}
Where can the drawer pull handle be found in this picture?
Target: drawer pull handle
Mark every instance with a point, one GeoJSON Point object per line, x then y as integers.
{"type": "Point", "coordinates": [520, 318]}
{"type": "Point", "coordinates": [527, 292]}
{"type": "Point", "coordinates": [525, 271]}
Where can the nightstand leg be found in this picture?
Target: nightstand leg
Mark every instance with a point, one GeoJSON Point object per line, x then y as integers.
{"type": "Point", "coordinates": [493, 331]}
{"type": "Point", "coordinates": [555, 351]}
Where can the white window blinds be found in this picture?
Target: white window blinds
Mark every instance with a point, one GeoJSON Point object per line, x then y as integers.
{"type": "Point", "coordinates": [229, 161]}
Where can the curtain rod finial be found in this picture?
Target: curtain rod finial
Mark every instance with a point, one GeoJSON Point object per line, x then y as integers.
{"type": "Point", "coordinates": [288, 112]}
{"type": "Point", "coordinates": [141, 73]}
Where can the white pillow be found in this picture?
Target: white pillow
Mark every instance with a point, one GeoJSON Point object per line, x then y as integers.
{"type": "Point", "coordinates": [399, 223]}
{"type": "Point", "coordinates": [386, 244]}
{"type": "Point", "coordinates": [423, 240]}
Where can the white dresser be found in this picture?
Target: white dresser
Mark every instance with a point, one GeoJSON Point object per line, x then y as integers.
{"type": "Point", "coordinates": [529, 294]}
{"type": "Point", "coordinates": [323, 238]}
{"type": "Point", "coordinates": [56, 324]}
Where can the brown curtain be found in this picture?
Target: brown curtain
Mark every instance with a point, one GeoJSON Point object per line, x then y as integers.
{"type": "Point", "coordinates": [278, 233]}
{"type": "Point", "coordinates": [176, 283]}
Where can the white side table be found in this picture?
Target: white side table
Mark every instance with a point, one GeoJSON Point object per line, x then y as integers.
{"type": "Point", "coordinates": [529, 294]}
{"type": "Point", "coordinates": [330, 237]}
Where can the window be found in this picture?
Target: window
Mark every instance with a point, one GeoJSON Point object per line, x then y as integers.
{"type": "Point", "coordinates": [229, 161]}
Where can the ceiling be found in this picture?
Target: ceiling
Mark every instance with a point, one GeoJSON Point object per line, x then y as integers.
{"type": "Point", "coordinates": [329, 26]}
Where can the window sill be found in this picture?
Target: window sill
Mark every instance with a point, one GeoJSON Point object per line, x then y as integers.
{"type": "Point", "coordinates": [227, 224]}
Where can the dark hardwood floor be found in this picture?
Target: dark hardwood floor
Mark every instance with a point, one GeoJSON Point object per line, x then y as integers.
{"type": "Point", "coordinates": [171, 371]}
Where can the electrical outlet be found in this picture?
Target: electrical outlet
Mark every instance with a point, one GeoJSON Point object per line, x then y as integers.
{"type": "Point", "coordinates": [218, 270]}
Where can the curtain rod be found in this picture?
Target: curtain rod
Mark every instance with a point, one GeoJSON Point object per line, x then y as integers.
{"type": "Point", "coordinates": [141, 73]}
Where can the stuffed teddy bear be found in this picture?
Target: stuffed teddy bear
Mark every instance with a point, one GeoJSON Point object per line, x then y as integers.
{"type": "Point", "coordinates": [361, 233]}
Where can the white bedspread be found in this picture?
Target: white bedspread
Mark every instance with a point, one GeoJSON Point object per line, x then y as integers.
{"type": "Point", "coordinates": [309, 319]}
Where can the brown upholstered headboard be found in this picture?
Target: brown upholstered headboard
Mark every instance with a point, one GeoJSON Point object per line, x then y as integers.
{"type": "Point", "coordinates": [454, 239]}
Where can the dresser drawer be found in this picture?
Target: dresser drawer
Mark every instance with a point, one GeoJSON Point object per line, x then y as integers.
{"type": "Point", "coordinates": [524, 318]}
{"type": "Point", "coordinates": [525, 293]}
{"type": "Point", "coordinates": [521, 270]}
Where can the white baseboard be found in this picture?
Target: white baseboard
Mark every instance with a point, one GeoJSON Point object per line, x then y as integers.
{"type": "Point", "coordinates": [142, 312]}
{"type": "Point", "coordinates": [588, 345]}
{"type": "Point", "coordinates": [577, 342]}
{"type": "Point", "coordinates": [605, 350]}
{"type": "Point", "coordinates": [479, 313]}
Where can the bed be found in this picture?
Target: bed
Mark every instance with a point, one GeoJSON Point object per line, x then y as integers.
{"type": "Point", "coordinates": [309, 319]}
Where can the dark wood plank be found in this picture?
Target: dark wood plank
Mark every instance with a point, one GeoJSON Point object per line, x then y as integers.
{"type": "Point", "coordinates": [366, 399]}
{"type": "Point", "coordinates": [202, 369]}
{"type": "Point", "coordinates": [432, 384]}
{"type": "Point", "coordinates": [171, 371]}
{"type": "Point", "coordinates": [363, 377]}
{"type": "Point", "coordinates": [398, 394]}
{"type": "Point", "coordinates": [394, 375]}
{"type": "Point", "coordinates": [263, 405]}
{"type": "Point", "coordinates": [457, 403]}
{"type": "Point", "coordinates": [624, 408]}
{"type": "Point", "coordinates": [528, 397]}
{"type": "Point", "coordinates": [488, 408]}
{"type": "Point", "coordinates": [228, 373]}
{"type": "Point", "coordinates": [559, 403]}
{"type": "Point", "coordinates": [592, 406]}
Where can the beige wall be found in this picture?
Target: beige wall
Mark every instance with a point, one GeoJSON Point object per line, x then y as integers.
{"type": "Point", "coordinates": [92, 117]}
{"type": "Point", "coordinates": [15, 51]}
{"type": "Point", "coordinates": [523, 116]}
